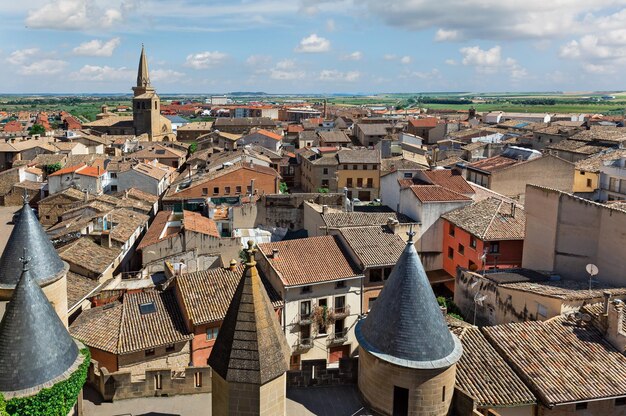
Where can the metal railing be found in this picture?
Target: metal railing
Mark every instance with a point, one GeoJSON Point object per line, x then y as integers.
{"type": "Point", "coordinates": [305, 318]}
{"type": "Point", "coordinates": [303, 344]}
{"type": "Point", "coordinates": [337, 338]}
{"type": "Point", "coordinates": [341, 312]}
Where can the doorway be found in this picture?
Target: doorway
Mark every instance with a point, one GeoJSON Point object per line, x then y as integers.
{"type": "Point", "coordinates": [400, 401]}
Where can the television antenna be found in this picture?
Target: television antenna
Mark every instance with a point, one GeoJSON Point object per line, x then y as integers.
{"type": "Point", "coordinates": [483, 259]}
{"type": "Point", "coordinates": [592, 269]}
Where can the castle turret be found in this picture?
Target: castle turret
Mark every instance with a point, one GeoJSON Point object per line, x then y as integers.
{"type": "Point", "coordinates": [250, 356]}
{"type": "Point", "coordinates": [36, 351]}
{"type": "Point", "coordinates": [407, 360]}
{"type": "Point", "coordinates": [49, 271]}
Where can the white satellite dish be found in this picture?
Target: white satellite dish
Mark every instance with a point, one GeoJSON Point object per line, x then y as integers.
{"type": "Point", "coordinates": [592, 269]}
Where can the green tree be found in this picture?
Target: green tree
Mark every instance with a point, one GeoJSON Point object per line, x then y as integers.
{"type": "Point", "coordinates": [322, 190]}
{"type": "Point", "coordinates": [51, 168]}
{"type": "Point", "coordinates": [283, 188]}
{"type": "Point", "coordinates": [37, 129]}
{"type": "Point", "coordinates": [193, 147]}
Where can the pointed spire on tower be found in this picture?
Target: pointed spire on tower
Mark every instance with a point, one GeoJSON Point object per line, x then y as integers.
{"type": "Point", "coordinates": [35, 347]}
{"type": "Point", "coordinates": [251, 347]}
{"type": "Point", "coordinates": [143, 78]}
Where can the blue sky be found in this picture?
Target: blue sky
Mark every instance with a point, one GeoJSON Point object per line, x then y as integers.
{"type": "Point", "coordinates": [297, 46]}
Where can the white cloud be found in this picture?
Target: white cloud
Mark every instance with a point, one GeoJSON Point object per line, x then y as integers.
{"type": "Point", "coordinates": [443, 35]}
{"type": "Point", "coordinates": [601, 53]}
{"type": "Point", "coordinates": [390, 57]}
{"type": "Point", "coordinates": [431, 75]}
{"type": "Point", "coordinates": [334, 75]}
{"type": "Point", "coordinates": [102, 73]}
{"type": "Point", "coordinates": [491, 61]}
{"type": "Point", "coordinates": [22, 56]}
{"type": "Point", "coordinates": [203, 60]}
{"type": "Point", "coordinates": [451, 62]}
{"type": "Point", "coordinates": [32, 61]}
{"type": "Point", "coordinates": [165, 75]}
{"type": "Point", "coordinates": [43, 67]}
{"type": "Point", "coordinates": [313, 44]}
{"type": "Point", "coordinates": [78, 14]}
{"type": "Point", "coordinates": [258, 60]}
{"type": "Point", "coordinates": [354, 56]}
{"type": "Point", "coordinates": [286, 70]}
{"type": "Point", "coordinates": [405, 60]}
{"type": "Point", "coordinates": [97, 47]}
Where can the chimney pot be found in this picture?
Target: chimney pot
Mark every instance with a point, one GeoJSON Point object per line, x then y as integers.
{"type": "Point", "coordinates": [274, 253]}
{"type": "Point", "coordinates": [233, 265]}
{"type": "Point", "coordinates": [607, 298]}
{"type": "Point", "coordinates": [324, 209]}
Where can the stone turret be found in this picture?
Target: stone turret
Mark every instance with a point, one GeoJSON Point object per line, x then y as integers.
{"type": "Point", "coordinates": [36, 351]}
{"type": "Point", "coordinates": [250, 356]}
{"type": "Point", "coordinates": [407, 360]}
{"type": "Point", "coordinates": [47, 268]}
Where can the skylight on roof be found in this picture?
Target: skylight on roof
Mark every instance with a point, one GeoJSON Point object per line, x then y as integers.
{"type": "Point", "coordinates": [147, 308]}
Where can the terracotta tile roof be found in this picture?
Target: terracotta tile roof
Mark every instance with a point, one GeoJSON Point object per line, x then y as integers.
{"type": "Point", "coordinates": [151, 171]}
{"type": "Point", "coordinates": [157, 151]}
{"type": "Point", "coordinates": [560, 361]}
{"type": "Point", "coordinates": [270, 134]}
{"type": "Point", "coordinates": [69, 169]}
{"type": "Point", "coordinates": [206, 295]}
{"type": "Point", "coordinates": [126, 223]}
{"type": "Point", "coordinates": [358, 156]}
{"type": "Point", "coordinates": [140, 195]}
{"type": "Point", "coordinates": [485, 376]}
{"type": "Point", "coordinates": [450, 161]}
{"type": "Point", "coordinates": [194, 221]}
{"type": "Point", "coordinates": [565, 289]}
{"type": "Point", "coordinates": [493, 164]}
{"type": "Point", "coordinates": [334, 137]}
{"type": "Point", "coordinates": [78, 287]}
{"type": "Point", "coordinates": [611, 134]}
{"type": "Point", "coordinates": [309, 260]}
{"type": "Point", "coordinates": [13, 126]}
{"type": "Point", "coordinates": [424, 122]}
{"type": "Point", "coordinates": [121, 328]}
{"type": "Point", "coordinates": [360, 219]}
{"type": "Point", "coordinates": [91, 171]}
{"type": "Point", "coordinates": [436, 193]}
{"type": "Point", "coordinates": [449, 179]}
{"type": "Point", "coordinates": [490, 219]}
{"type": "Point", "coordinates": [153, 235]}
{"type": "Point", "coordinates": [374, 246]}
{"type": "Point", "coordinates": [295, 128]}
{"type": "Point", "coordinates": [89, 255]}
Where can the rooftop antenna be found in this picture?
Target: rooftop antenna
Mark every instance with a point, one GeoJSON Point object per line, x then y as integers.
{"type": "Point", "coordinates": [592, 269]}
{"type": "Point", "coordinates": [478, 300]}
{"type": "Point", "coordinates": [483, 259]}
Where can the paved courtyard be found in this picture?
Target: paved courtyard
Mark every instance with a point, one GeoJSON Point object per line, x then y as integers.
{"type": "Point", "coordinates": [322, 401]}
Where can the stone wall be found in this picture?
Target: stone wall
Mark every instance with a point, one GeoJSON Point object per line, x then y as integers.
{"type": "Point", "coordinates": [157, 382]}
{"type": "Point", "coordinates": [287, 211]}
{"type": "Point", "coordinates": [315, 374]}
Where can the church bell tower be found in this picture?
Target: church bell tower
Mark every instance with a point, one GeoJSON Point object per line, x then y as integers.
{"type": "Point", "coordinates": [146, 103]}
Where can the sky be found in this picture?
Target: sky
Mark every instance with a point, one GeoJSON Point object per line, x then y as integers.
{"type": "Point", "coordinates": [298, 46]}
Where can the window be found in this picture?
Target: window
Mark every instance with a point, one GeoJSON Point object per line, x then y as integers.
{"type": "Point", "coordinates": [542, 311]}
{"type": "Point", "coordinates": [359, 182]}
{"type": "Point", "coordinates": [113, 175]}
{"type": "Point", "coordinates": [149, 352]}
{"type": "Point", "coordinates": [305, 289]}
{"type": "Point", "coordinates": [47, 217]}
{"type": "Point", "coordinates": [170, 348]}
{"type": "Point", "coordinates": [349, 183]}
{"type": "Point", "coordinates": [370, 182]}
{"type": "Point", "coordinates": [305, 332]}
{"type": "Point", "coordinates": [461, 249]}
{"type": "Point", "coordinates": [205, 191]}
{"type": "Point", "coordinates": [339, 327]}
{"type": "Point", "coordinates": [472, 242]}
{"type": "Point", "coordinates": [340, 284]}
{"type": "Point", "coordinates": [376, 275]}
{"type": "Point", "coordinates": [321, 327]}
{"type": "Point", "coordinates": [581, 406]}
{"type": "Point", "coordinates": [325, 171]}
{"type": "Point", "coordinates": [451, 230]}
{"type": "Point", "coordinates": [147, 308]}
{"type": "Point", "coordinates": [408, 175]}
{"type": "Point", "coordinates": [443, 394]}
{"type": "Point", "coordinates": [494, 247]}
{"type": "Point", "coordinates": [355, 167]}
{"type": "Point", "coordinates": [305, 309]}
{"type": "Point", "coordinates": [216, 190]}
{"type": "Point", "coordinates": [197, 379]}
{"type": "Point", "coordinates": [340, 304]}
{"type": "Point", "coordinates": [364, 167]}
{"type": "Point", "coordinates": [388, 272]}
{"type": "Point", "coordinates": [158, 385]}
{"type": "Point", "coordinates": [238, 189]}
{"type": "Point", "coordinates": [113, 188]}
{"type": "Point", "coordinates": [227, 190]}
{"type": "Point", "coordinates": [211, 333]}
{"type": "Point", "coordinates": [588, 183]}
{"type": "Point", "coordinates": [249, 189]}
{"type": "Point", "coordinates": [620, 401]}
{"type": "Point", "coordinates": [450, 253]}
{"type": "Point", "coordinates": [324, 183]}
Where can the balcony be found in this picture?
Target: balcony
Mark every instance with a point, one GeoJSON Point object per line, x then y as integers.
{"type": "Point", "coordinates": [305, 318]}
{"type": "Point", "coordinates": [337, 338]}
{"type": "Point", "coordinates": [342, 312]}
{"type": "Point", "coordinates": [303, 344]}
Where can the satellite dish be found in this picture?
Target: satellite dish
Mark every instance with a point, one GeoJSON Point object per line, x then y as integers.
{"type": "Point", "coordinates": [592, 269]}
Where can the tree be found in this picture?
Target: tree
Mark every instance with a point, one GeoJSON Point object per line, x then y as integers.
{"type": "Point", "coordinates": [51, 168]}
{"type": "Point", "coordinates": [322, 190]}
{"type": "Point", "coordinates": [37, 129]}
{"type": "Point", "coordinates": [283, 188]}
{"type": "Point", "coordinates": [193, 147]}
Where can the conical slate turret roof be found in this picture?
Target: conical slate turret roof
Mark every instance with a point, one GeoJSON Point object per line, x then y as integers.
{"type": "Point", "coordinates": [406, 326]}
{"type": "Point", "coordinates": [250, 347]}
{"type": "Point", "coordinates": [35, 347]}
{"type": "Point", "coordinates": [29, 235]}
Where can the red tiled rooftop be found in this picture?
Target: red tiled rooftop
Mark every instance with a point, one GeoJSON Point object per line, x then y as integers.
{"type": "Point", "coordinates": [424, 122]}
{"type": "Point", "coordinates": [449, 179]}
{"type": "Point", "coordinates": [436, 193]}
{"type": "Point", "coordinates": [270, 134]}
{"type": "Point", "coordinates": [69, 169]}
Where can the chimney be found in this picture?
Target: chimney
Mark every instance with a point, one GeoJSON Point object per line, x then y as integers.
{"type": "Point", "coordinates": [614, 329]}
{"type": "Point", "coordinates": [324, 209]}
{"type": "Point", "coordinates": [105, 239]}
{"type": "Point", "coordinates": [392, 223]}
{"type": "Point", "coordinates": [513, 209]}
{"type": "Point", "coordinates": [87, 195]}
{"type": "Point", "coordinates": [607, 298]}
{"type": "Point", "coordinates": [233, 265]}
{"type": "Point", "coordinates": [251, 187]}
{"type": "Point", "coordinates": [274, 253]}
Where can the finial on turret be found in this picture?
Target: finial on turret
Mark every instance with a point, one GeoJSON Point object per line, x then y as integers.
{"type": "Point", "coordinates": [25, 196]}
{"type": "Point", "coordinates": [411, 234]}
{"type": "Point", "coordinates": [250, 254]}
{"type": "Point", "coordinates": [24, 260]}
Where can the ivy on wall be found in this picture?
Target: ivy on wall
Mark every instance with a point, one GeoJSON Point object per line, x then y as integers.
{"type": "Point", "coordinates": [57, 400]}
